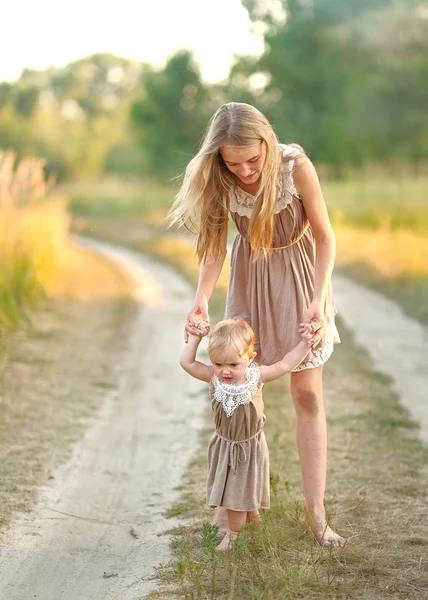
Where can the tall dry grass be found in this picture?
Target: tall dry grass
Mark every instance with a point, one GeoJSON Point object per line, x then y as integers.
{"type": "Point", "coordinates": [399, 253]}
{"type": "Point", "coordinates": [34, 228]}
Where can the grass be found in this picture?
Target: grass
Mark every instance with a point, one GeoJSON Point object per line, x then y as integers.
{"type": "Point", "coordinates": [373, 201]}
{"type": "Point", "coordinates": [114, 198]}
{"type": "Point", "coordinates": [34, 238]}
{"type": "Point", "coordinates": [379, 221]}
{"type": "Point", "coordinates": [32, 247]}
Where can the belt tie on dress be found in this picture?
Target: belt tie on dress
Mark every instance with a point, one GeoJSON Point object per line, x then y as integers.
{"type": "Point", "coordinates": [236, 449]}
{"type": "Point", "coordinates": [298, 238]}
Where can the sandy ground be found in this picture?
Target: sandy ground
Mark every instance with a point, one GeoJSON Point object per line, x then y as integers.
{"type": "Point", "coordinates": [396, 343]}
{"type": "Point", "coordinates": [78, 544]}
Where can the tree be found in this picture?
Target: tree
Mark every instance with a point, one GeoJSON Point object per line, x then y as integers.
{"type": "Point", "coordinates": [345, 78]}
{"type": "Point", "coordinates": [171, 114]}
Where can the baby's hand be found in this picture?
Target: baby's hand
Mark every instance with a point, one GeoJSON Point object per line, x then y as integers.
{"type": "Point", "coordinates": [307, 334]}
{"type": "Point", "coordinates": [201, 325]}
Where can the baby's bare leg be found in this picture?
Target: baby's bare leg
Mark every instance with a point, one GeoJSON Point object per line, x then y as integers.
{"type": "Point", "coordinates": [253, 517]}
{"type": "Point", "coordinates": [236, 520]}
{"type": "Point", "coordinates": [220, 519]}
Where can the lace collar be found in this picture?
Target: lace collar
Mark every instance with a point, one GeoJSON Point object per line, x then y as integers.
{"type": "Point", "coordinates": [231, 395]}
{"type": "Point", "coordinates": [242, 202]}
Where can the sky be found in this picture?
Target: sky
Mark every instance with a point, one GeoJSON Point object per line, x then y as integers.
{"type": "Point", "coordinates": [37, 34]}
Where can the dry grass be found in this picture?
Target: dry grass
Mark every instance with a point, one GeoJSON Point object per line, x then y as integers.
{"type": "Point", "coordinates": [34, 237]}
{"type": "Point", "coordinates": [392, 253]}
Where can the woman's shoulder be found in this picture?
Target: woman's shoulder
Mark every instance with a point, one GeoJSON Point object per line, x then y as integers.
{"type": "Point", "coordinates": [286, 187]}
{"type": "Point", "coordinates": [290, 151]}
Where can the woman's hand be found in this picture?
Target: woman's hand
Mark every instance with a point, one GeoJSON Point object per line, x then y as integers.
{"type": "Point", "coordinates": [198, 321]}
{"type": "Point", "coordinates": [314, 317]}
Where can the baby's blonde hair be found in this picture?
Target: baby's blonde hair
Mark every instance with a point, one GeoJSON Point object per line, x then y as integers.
{"type": "Point", "coordinates": [202, 203]}
{"type": "Point", "coordinates": [231, 333]}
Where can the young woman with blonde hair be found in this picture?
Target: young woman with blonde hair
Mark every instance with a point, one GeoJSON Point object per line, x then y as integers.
{"type": "Point", "coordinates": [281, 264]}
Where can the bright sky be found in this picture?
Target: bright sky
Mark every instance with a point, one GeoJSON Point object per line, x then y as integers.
{"type": "Point", "coordinates": [40, 33]}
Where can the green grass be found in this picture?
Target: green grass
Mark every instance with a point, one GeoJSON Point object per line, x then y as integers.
{"type": "Point", "coordinates": [379, 202]}
{"type": "Point", "coordinates": [112, 199]}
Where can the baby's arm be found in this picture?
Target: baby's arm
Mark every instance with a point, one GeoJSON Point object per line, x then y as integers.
{"type": "Point", "coordinates": [194, 367]}
{"type": "Point", "coordinates": [289, 362]}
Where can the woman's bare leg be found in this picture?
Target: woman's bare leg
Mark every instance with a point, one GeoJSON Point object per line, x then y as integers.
{"type": "Point", "coordinates": [311, 439]}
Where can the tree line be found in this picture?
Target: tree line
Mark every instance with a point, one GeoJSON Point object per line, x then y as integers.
{"type": "Point", "coordinates": [346, 79]}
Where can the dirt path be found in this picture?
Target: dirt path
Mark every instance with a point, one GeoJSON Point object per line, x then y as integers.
{"type": "Point", "coordinates": [396, 343]}
{"type": "Point", "coordinates": [77, 544]}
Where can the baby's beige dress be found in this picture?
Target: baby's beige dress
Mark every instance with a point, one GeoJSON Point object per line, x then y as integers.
{"type": "Point", "coordinates": [238, 457]}
{"type": "Point", "coordinates": [273, 294]}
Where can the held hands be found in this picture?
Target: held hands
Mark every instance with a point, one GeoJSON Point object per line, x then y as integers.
{"type": "Point", "coordinates": [313, 324]}
{"type": "Point", "coordinates": [198, 321]}
{"type": "Point", "coordinates": [306, 334]}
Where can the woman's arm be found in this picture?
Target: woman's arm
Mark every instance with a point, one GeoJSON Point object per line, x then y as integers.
{"type": "Point", "coordinates": [208, 277]}
{"type": "Point", "coordinates": [194, 367]}
{"type": "Point", "coordinates": [308, 186]}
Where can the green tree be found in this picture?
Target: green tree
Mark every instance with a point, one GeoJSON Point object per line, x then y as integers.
{"type": "Point", "coordinates": [345, 77]}
{"type": "Point", "coordinates": [171, 114]}
{"type": "Point", "coordinates": [77, 116]}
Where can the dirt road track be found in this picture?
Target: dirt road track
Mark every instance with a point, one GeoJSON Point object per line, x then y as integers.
{"type": "Point", "coordinates": [396, 343]}
{"type": "Point", "coordinates": [124, 474]}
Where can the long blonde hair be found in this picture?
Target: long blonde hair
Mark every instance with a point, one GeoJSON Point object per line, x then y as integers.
{"type": "Point", "coordinates": [202, 202]}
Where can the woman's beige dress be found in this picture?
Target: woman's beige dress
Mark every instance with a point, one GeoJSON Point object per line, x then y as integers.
{"type": "Point", "coordinates": [238, 458]}
{"type": "Point", "coordinates": [273, 294]}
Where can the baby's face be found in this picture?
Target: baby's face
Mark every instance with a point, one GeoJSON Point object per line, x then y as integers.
{"type": "Point", "coordinates": [230, 367]}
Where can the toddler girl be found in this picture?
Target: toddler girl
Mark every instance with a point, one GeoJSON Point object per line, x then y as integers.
{"type": "Point", "coordinates": [238, 457]}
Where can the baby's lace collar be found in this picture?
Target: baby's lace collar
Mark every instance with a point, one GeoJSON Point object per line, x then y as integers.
{"type": "Point", "coordinates": [231, 395]}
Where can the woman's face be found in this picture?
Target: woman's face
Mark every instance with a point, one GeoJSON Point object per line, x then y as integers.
{"type": "Point", "coordinates": [246, 163]}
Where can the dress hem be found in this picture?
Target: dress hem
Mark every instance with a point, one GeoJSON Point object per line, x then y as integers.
{"type": "Point", "coordinates": [213, 506]}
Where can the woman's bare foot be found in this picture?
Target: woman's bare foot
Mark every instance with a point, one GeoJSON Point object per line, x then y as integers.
{"type": "Point", "coordinates": [226, 542]}
{"type": "Point", "coordinates": [322, 532]}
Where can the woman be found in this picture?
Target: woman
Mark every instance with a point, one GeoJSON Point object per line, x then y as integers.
{"type": "Point", "coordinates": [281, 264]}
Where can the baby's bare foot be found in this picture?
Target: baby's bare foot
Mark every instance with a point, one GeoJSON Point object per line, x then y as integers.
{"type": "Point", "coordinates": [226, 542]}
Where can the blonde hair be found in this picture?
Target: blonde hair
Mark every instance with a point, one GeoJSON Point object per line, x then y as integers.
{"type": "Point", "coordinates": [231, 333]}
{"type": "Point", "coordinates": [202, 203]}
